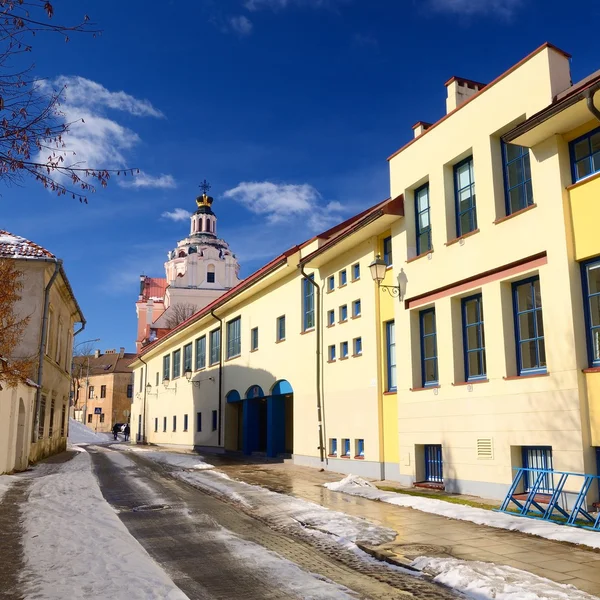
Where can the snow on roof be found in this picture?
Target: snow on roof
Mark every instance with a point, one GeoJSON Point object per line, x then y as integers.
{"type": "Point", "coordinates": [15, 246]}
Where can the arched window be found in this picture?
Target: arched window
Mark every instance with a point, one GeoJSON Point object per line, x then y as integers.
{"type": "Point", "coordinates": [210, 274]}
{"type": "Point", "coordinates": [181, 254]}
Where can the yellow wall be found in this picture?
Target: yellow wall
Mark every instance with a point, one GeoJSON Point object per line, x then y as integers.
{"type": "Point", "coordinates": [585, 210]}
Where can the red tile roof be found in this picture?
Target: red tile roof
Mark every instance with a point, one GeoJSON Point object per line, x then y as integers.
{"type": "Point", "coordinates": [154, 287]}
{"type": "Point", "coordinates": [15, 246]}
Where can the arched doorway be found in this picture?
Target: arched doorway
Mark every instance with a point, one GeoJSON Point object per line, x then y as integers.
{"type": "Point", "coordinates": [255, 420]}
{"type": "Point", "coordinates": [234, 421]}
{"type": "Point", "coordinates": [281, 422]}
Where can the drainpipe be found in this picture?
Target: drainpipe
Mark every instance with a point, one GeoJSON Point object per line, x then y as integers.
{"type": "Point", "coordinates": [318, 362]}
{"type": "Point", "coordinates": [38, 396]}
{"type": "Point", "coordinates": [219, 424]}
{"type": "Point", "coordinates": [144, 441]}
{"type": "Point", "coordinates": [589, 95]}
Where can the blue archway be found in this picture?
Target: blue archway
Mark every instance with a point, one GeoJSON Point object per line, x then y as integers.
{"type": "Point", "coordinates": [233, 396]}
{"type": "Point", "coordinates": [254, 391]}
{"type": "Point", "coordinates": [281, 388]}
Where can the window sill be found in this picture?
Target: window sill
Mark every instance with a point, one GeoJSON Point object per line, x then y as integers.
{"type": "Point", "coordinates": [423, 254]}
{"type": "Point", "coordinates": [359, 458]}
{"type": "Point", "coordinates": [185, 431]}
{"type": "Point", "coordinates": [332, 456]}
{"type": "Point", "coordinates": [332, 325]}
{"type": "Point", "coordinates": [212, 364]}
{"type": "Point", "coordinates": [310, 330]}
{"type": "Point", "coordinates": [344, 321]}
{"type": "Point", "coordinates": [583, 180]}
{"type": "Point", "coordinates": [200, 369]}
{"type": "Point", "coordinates": [255, 350]}
{"type": "Point", "coordinates": [471, 382]}
{"type": "Point", "coordinates": [461, 237]}
{"type": "Point", "coordinates": [343, 358]}
{"type": "Point", "coordinates": [330, 291]}
{"type": "Point", "coordinates": [515, 214]}
{"type": "Point", "coordinates": [591, 370]}
{"type": "Point", "coordinates": [357, 279]}
{"type": "Point", "coordinates": [391, 393]}
{"type": "Point", "coordinates": [356, 317]}
{"type": "Point", "coordinates": [357, 355]}
{"type": "Point", "coordinates": [232, 357]}
{"type": "Point", "coordinates": [331, 361]}
{"type": "Point", "coordinates": [342, 286]}
{"type": "Point", "coordinates": [345, 456]}
{"type": "Point", "coordinates": [429, 387]}
{"type": "Point", "coordinates": [389, 267]}
{"type": "Point", "coordinates": [279, 341]}
{"type": "Point", "coordinates": [526, 376]}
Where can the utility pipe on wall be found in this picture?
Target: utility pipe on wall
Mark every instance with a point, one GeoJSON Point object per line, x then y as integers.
{"type": "Point", "coordinates": [143, 436]}
{"type": "Point", "coordinates": [219, 421]}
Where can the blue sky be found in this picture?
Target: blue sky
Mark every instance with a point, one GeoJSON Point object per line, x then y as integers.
{"type": "Point", "coordinates": [305, 97]}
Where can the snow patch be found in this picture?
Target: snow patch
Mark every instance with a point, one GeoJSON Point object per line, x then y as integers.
{"type": "Point", "coordinates": [183, 461]}
{"type": "Point", "coordinates": [349, 481]}
{"type": "Point", "coordinates": [483, 581]}
{"type": "Point", "coordinates": [80, 434]}
{"type": "Point", "coordinates": [5, 482]}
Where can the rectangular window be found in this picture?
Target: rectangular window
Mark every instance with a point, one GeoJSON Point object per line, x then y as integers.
{"type": "Point", "coordinates": [343, 349]}
{"type": "Point", "coordinates": [91, 392]}
{"type": "Point", "coordinates": [63, 421]}
{"type": "Point", "coordinates": [164, 424]}
{"type": "Point", "coordinates": [517, 177]}
{"type": "Point", "coordinates": [429, 364]}
{"type": "Point", "coordinates": [330, 283]}
{"type": "Point", "coordinates": [356, 309]}
{"type": "Point", "coordinates": [199, 422]}
{"type": "Point", "coordinates": [585, 155]}
{"type": "Point", "coordinates": [332, 447]}
{"type": "Point", "coordinates": [464, 195]}
{"type": "Point", "coordinates": [281, 328]}
{"type": "Point", "coordinates": [214, 420]}
{"type": "Point", "coordinates": [59, 334]}
{"type": "Point", "coordinates": [102, 418]}
{"type": "Point", "coordinates": [590, 276]}
{"type": "Point", "coordinates": [423, 221]}
{"type": "Point", "coordinates": [357, 346]}
{"type": "Point", "coordinates": [473, 338]}
{"type": "Point", "coordinates": [387, 251]}
{"type": "Point", "coordinates": [346, 447]}
{"type": "Point", "coordinates": [167, 367]}
{"type": "Point", "coordinates": [157, 378]}
{"type": "Point", "coordinates": [49, 331]}
{"type": "Point", "coordinates": [434, 464]}
{"type": "Point", "coordinates": [130, 390]}
{"type": "Point", "coordinates": [538, 457]}
{"type": "Point", "coordinates": [254, 338]}
{"type": "Point", "coordinates": [90, 418]}
{"type": "Point", "coordinates": [343, 278]}
{"type": "Point", "coordinates": [102, 391]}
{"type": "Point", "coordinates": [155, 424]}
{"type": "Point", "coordinates": [390, 337]}
{"type": "Point", "coordinates": [343, 313]}
{"type": "Point", "coordinates": [331, 353]}
{"type": "Point", "coordinates": [42, 417]}
{"type": "Point", "coordinates": [355, 272]}
{"type": "Point", "coordinates": [330, 318]}
{"type": "Point", "coordinates": [185, 422]}
{"type": "Point", "coordinates": [529, 326]}
{"type": "Point", "coordinates": [210, 277]}
{"type": "Point", "coordinates": [360, 448]}
{"type": "Point", "coordinates": [174, 423]}
{"type": "Point", "coordinates": [215, 346]}
{"type": "Point", "coordinates": [51, 423]}
{"type": "Point", "coordinates": [201, 353]}
{"type": "Point", "coordinates": [234, 337]}
{"type": "Point", "coordinates": [308, 304]}
{"type": "Point", "coordinates": [187, 358]}
{"type": "Point", "coordinates": [176, 364]}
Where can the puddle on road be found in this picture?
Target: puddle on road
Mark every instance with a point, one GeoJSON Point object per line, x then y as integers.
{"type": "Point", "coordinates": [149, 507]}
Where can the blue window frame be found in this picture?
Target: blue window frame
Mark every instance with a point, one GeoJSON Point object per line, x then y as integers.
{"type": "Point", "coordinates": [538, 457]}
{"type": "Point", "coordinates": [423, 221]}
{"type": "Point", "coordinates": [356, 309]}
{"type": "Point", "coordinates": [360, 448]}
{"type": "Point", "coordinates": [343, 349]}
{"type": "Point", "coordinates": [517, 177]}
{"type": "Point", "coordinates": [343, 313]}
{"type": "Point", "coordinates": [473, 338]}
{"type": "Point", "coordinates": [343, 278]}
{"type": "Point", "coordinates": [357, 346]}
{"type": "Point", "coordinates": [330, 283]}
{"type": "Point", "coordinates": [215, 346]}
{"type": "Point", "coordinates": [254, 338]}
{"type": "Point", "coordinates": [187, 357]}
{"type": "Point", "coordinates": [174, 423]}
{"type": "Point", "coordinates": [176, 364]}
{"type": "Point", "coordinates": [234, 337]}
{"type": "Point", "coordinates": [308, 303]}
{"type": "Point", "coordinates": [585, 155]}
{"type": "Point", "coordinates": [429, 359]}
{"type": "Point", "coordinates": [281, 328]}
{"type": "Point", "coordinates": [214, 420]}
{"type": "Point", "coordinates": [529, 327]}
{"type": "Point", "coordinates": [464, 194]}
{"type": "Point", "coordinates": [166, 367]}
{"type": "Point", "coordinates": [201, 353]}
{"type": "Point", "coordinates": [331, 353]}
{"type": "Point", "coordinates": [332, 447]}
{"type": "Point", "coordinates": [185, 422]}
{"type": "Point", "coordinates": [390, 337]}
{"type": "Point", "coordinates": [346, 447]}
{"type": "Point", "coordinates": [355, 272]}
{"type": "Point", "coordinates": [331, 317]}
{"type": "Point", "coordinates": [434, 464]}
{"type": "Point", "coordinates": [387, 251]}
{"type": "Point", "coordinates": [590, 275]}
{"type": "Point", "coordinates": [199, 422]}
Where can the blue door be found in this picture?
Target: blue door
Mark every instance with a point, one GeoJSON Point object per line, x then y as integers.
{"type": "Point", "coordinates": [538, 457]}
{"type": "Point", "coordinates": [434, 466]}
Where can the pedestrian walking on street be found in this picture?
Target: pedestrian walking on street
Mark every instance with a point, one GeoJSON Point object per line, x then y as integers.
{"type": "Point", "coordinates": [127, 431]}
{"type": "Point", "coordinates": [115, 430]}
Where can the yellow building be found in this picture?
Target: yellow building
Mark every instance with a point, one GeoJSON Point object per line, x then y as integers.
{"type": "Point", "coordinates": [287, 362]}
{"type": "Point", "coordinates": [490, 331]}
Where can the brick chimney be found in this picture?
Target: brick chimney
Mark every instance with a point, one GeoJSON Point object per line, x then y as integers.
{"type": "Point", "coordinates": [96, 353]}
{"type": "Point", "coordinates": [420, 127]}
{"type": "Point", "coordinates": [121, 352]}
{"type": "Point", "coordinates": [459, 90]}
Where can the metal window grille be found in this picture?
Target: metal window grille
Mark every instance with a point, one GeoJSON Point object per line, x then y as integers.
{"type": "Point", "coordinates": [434, 465]}
{"type": "Point", "coordinates": [538, 457]}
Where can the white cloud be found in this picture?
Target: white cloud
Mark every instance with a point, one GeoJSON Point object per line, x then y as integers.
{"type": "Point", "coordinates": [504, 8]}
{"type": "Point", "coordinates": [253, 5]}
{"type": "Point", "coordinates": [287, 203]}
{"type": "Point", "coordinates": [241, 25]}
{"type": "Point", "coordinates": [143, 180]}
{"type": "Point", "coordinates": [177, 214]}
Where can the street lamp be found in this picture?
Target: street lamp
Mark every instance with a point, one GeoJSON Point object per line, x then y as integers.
{"type": "Point", "coordinates": [378, 268]}
{"type": "Point", "coordinates": [196, 383]}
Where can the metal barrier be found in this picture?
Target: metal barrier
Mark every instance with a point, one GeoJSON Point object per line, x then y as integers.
{"type": "Point", "coordinates": [535, 504]}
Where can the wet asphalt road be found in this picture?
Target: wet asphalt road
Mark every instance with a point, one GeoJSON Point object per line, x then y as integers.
{"type": "Point", "coordinates": [196, 538]}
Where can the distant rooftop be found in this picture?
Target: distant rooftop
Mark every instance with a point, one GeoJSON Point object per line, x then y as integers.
{"type": "Point", "coordinates": [15, 246]}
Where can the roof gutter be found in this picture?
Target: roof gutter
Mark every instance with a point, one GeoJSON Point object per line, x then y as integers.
{"type": "Point", "coordinates": [589, 97]}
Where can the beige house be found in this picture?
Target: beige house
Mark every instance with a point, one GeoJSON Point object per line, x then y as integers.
{"type": "Point", "coordinates": [48, 301]}
{"type": "Point", "coordinates": [103, 388]}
